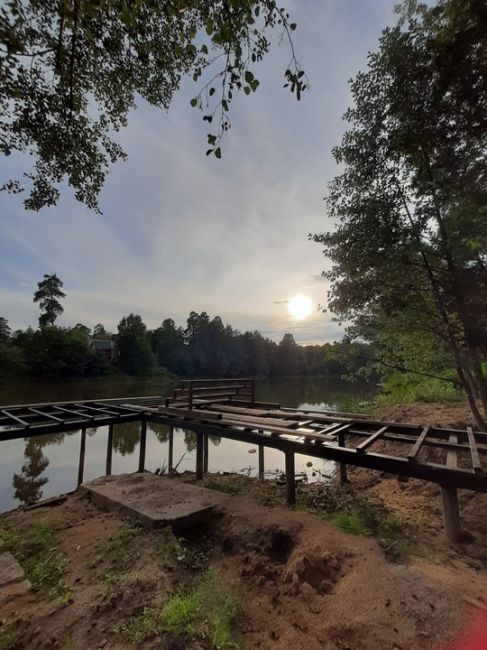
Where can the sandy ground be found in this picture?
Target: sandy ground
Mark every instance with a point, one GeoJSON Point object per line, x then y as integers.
{"type": "Point", "coordinates": [299, 580]}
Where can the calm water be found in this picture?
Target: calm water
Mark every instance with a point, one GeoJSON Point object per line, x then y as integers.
{"type": "Point", "coordinates": [45, 466]}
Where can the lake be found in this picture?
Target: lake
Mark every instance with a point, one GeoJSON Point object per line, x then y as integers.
{"type": "Point", "coordinates": [46, 466]}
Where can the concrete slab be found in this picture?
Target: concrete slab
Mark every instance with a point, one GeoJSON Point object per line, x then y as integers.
{"type": "Point", "coordinates": [154, 500]}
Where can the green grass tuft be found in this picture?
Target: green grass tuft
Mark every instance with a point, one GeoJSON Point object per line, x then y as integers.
{"type": "Point", "coordinates": [401, 388]}
{"type": "Point", "coordinates": [363, 518]}
{"type": "Point", "coordinates": [350, 522]}
{"type": "Point", "coordinates": [142, 626]}
{"type": "Point", "coordinates": [208, 610]}
{"type": "Point", "coordinates": [119, 549]}
{"type": "Point", "coordinates": [42, 561]}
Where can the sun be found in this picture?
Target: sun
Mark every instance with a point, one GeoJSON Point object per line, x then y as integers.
{"type": "Point", "coordinates": [299, 307]}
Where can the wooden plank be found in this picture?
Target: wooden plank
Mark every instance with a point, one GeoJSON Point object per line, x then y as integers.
{"type": "Point", "coordinates": [8, 414]}
{"type": "Point", "coordinates": [47, 415]}
{"type": "Point", "coordinates": [185, 397]}
{"type": "Point", "coordinates": [103, 411]}
{"type": "Point", "coordinates": [196, 382]}
{"type": "Point", "coordinates": [255, 421]}
{"type": "Point", "coordinates": [336, 428]}
{"type": "Point", "coordinates": [474, 452]}
{"type": "Point", "coordinates": [363, 446]}
{"type": "Point", "coordinates": [451, 455]}
{"type": "Point", "coordinates": [76, 413]}
{"type": "Point", "coordinates": [229, 408]}
{"type": "Point", "coordinates": [266, 405]}
{"type": "Point", "coordinates": [195, 414]}
{"type": "Point", "coordinates": [213, 389]}
{"type": "Point", "coordinates": [417, 445]}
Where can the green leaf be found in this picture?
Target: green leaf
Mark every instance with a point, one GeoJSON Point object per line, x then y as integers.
{"type": "Point", "coordinates": [218, 153]}
{"type": "Point", "coordinates": [248, 76]}
{"type": "Point", "coordinates": [194, 102]}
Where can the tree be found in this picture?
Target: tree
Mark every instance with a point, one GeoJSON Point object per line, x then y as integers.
{"type": "Point", "coordinates": [4, 330]}
{"type": "Point", "coordinates": [99, 332]}
{"type": "Point", "coordinates": [135, 355]}
{"type": "Point", "coordinates": [47, 294]}
{"type": "Point", "coordinates": [70, 72]}
{"type": "Point", "coordinates": [409, 250]}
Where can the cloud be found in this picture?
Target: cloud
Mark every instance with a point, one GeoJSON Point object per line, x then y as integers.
{"type": "Point", "coordinates": [183, 232]}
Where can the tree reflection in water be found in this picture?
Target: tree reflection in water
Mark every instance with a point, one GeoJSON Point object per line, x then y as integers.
{"type": "Point", "coordinates": [126, 437]}
{"type": "Point", "coordinates": [28, 485]}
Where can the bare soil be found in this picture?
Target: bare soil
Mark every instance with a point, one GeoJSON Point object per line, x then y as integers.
{"type": "Point", "coordinates": [300, 581]}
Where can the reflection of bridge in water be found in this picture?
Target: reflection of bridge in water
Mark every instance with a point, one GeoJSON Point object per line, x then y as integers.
{"type": "Point", "coordinates": [228, 409]}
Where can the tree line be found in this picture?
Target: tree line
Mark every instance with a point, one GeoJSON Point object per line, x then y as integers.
{"type": "Point", "coordinates": [204, 347]}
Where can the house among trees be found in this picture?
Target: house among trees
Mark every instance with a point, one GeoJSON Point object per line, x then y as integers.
{"type": "Point", "coordinates": [103, 348]}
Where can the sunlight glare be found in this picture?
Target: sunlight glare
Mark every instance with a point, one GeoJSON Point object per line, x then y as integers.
{"type": "Point", "coordinates": [299, 307]}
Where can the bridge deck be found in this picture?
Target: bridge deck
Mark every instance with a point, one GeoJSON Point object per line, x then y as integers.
{"type": "Point", "coordinates": [452, 458]}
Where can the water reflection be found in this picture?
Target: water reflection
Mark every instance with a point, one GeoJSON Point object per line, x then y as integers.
{"type": "Point", "coordinates": [28, 484]}
{"type": "Point", "coordinates": [48, 464]}
{"type": "Point", "coordinates": [126, 437]}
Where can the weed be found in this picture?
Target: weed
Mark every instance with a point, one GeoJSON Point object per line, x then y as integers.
{"type": "Point", "coordinates": [10, 635]}
{"type": "Point", "coordinates": [169, 547]}
{"type": "Point", "coordinates": [116, 581]}
{"type": "Point", "coordinates": [144, 625]}
{"type": "Point", "coordinates": [228, 487]}
{"type": "Point", "coordinates": [208, 604]}
{"type": "Point", "coordinates": [206, 611]}
{"type": "Point", "coordinates": [362, 518]}
{"type": "Point", "coordinates": [180, 612]}
{"type": "Point", "coordinates": [119, 550]}
{"type": "Point", "coordinates": [47, 573]}
{"type": "Point", "coordinates": [43, 563]}
{"type": "Point", "coordinates": [42, 535]}
{"type": "Point", "coordinates": [12, 542]}
{"type": "Point", "coordinates": [399, 388]}
{"type": "Point", "coordinates": [350, 522]}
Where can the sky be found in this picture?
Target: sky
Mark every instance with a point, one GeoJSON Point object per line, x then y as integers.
{"type": "Point", "coordinates": [181, 231]}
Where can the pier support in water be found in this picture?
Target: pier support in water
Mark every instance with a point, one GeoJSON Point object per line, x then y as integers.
{"type": "Point", "coordinates": [205, 453]}
{"type": "Point", "coordinates": [82, 451]}
{"type": "Point", "coordinates": [261, 461]}
{"type": "Point", "coordinates": [170, 453]}
{"type": "Point", "coordinates": [199, 456]}
{"type": "Point", "coordinates": [143, 440]}
{"type": "Point", "coordinates": [108, 466]}
{"type": "Point", "coordinates": [290, 479]}
{"type": "Point", "coordinates": [342, 468]}
{"type": "Point", "coordinates": [451, 515]}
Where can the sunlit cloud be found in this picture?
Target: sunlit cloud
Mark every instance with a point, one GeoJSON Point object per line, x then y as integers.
{"type": "Point", "coordinates": [181, 231]}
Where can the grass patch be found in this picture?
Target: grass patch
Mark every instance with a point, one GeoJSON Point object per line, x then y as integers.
{"type": "Point", "coordinates": [207, 611]}
{"type": "Point", "coordinates": [363, 518]}
{"type": "Point", "coordinates": [232, 486]}
{"type": "Point", "coordinates": [118, 549]}
{"type": "Point", "coordinates": [12, 542]}
{"type": "Point", "coordinates": [401, 388]}
{"type": "Point", "coordinates": [10, 635]}
{"type": "Point", "coordinates": [170, 549]}
{"type": "Point", "coordinates": [42, 561]}
{"type": "Point", "coordinates": [115, 582]}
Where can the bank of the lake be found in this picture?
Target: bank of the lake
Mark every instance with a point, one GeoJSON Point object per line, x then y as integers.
{"type": "Point", "coordinates": [46, 466]}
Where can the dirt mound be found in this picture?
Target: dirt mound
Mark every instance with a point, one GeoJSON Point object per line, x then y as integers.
{"type": "Point", "coordinates": [299, 581]}
{"type": "Point", "coordinates": [315, 569]}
